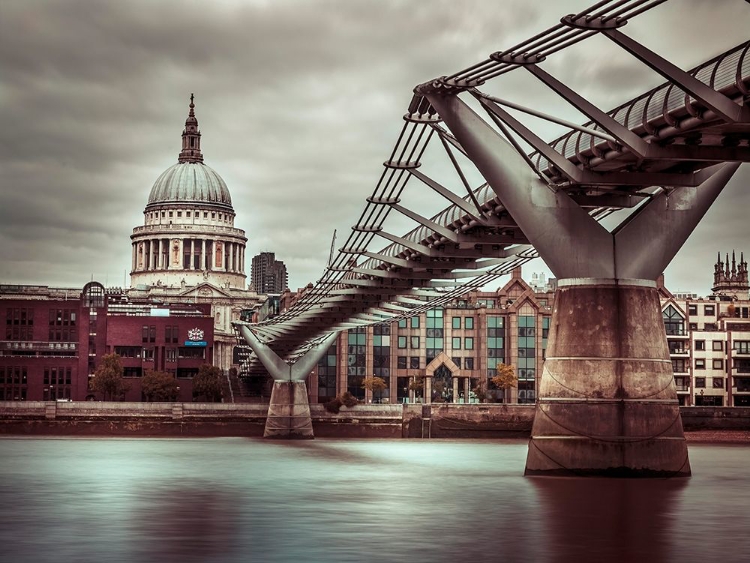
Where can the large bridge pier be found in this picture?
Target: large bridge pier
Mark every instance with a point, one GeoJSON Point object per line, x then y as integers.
{"type": "Point", "coordinates": [607, 402]}
{"type": "Point", "coordinates": [289, 407]}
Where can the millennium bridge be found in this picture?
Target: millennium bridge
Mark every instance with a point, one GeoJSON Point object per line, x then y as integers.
{"type": "Point", "coordinates": [606, 405]}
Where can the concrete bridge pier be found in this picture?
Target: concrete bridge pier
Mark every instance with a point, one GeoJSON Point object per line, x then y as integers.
{"type": "Point", "coordinates": [607, 402]}
{"type": "Point", "coordinates": [289, 408]}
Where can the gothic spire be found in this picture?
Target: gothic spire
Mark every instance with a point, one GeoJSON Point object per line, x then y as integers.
{"type": "Point", "coordinates": [191, 138]}
{"type": "Point", "coordinates": [734, 265]}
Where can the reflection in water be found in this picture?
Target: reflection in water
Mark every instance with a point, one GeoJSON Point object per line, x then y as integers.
{"type": "Point", "coordinates": [235, 500]}
{"type": "Point", "coordinates": [192, 520]}
{"type": "Point", "coordinates": [608, 519]}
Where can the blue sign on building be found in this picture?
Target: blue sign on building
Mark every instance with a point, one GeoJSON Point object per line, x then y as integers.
{"type": "Point", "coordinates": [201, 343]}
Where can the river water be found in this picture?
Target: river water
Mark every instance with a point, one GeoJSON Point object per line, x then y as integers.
{"type": "Point", "coordinates": [239, 500]}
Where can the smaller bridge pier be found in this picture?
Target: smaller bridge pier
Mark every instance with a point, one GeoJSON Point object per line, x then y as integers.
{"type": "Point", "coordinates": [289, 412]}
{"type": "Point", "coordinates": [289, 408]}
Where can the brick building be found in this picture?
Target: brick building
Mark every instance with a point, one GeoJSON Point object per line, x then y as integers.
{"type": "Point", "coordinates": [55, 338]}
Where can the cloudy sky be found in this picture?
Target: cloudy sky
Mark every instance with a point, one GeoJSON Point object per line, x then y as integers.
{"type": "Point", "coordinates": [299, 103]}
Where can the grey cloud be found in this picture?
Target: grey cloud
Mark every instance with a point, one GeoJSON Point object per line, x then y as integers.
{"type": "Point", "coordinates": [299, 103]}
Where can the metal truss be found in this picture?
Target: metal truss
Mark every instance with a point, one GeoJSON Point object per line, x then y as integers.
{"type": "Point", "coordinates": [665, 138]}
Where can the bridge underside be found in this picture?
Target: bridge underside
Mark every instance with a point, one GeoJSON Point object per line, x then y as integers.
{"type": "Point", "coordinates": [607, 402]}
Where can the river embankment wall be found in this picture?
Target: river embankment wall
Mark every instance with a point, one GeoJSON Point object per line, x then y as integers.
{"type": "Point", "coordinates": [361, 421]}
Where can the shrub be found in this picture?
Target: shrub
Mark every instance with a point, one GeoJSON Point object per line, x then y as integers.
{"type": "Point", "coordinates": [349, 400]}
{"type": "Point", "coordinates": [334, 405]}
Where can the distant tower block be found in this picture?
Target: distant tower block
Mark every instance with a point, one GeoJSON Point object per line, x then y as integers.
{"type": "Point", "coordinates": [268, 274]}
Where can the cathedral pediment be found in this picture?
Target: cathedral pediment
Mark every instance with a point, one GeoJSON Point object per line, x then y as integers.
{"type": "Point", "coordinates": [204, 290]}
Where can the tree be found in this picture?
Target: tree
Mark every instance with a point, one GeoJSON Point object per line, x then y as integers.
{"type": "Point", "coordinates": [108, 378]}
{"type": "Point", "coordinates": [416, 384]}
{"type": "Point", "coordinates": [208, 383]}
{"type": "Point", "coordinates": [505, 379]}
{"type": "Point", "coordinates": [159, 386]}
{"type": "Point", "coordinates": [374, 384]}
{"type": "Point", "coordinates": [480, 390]}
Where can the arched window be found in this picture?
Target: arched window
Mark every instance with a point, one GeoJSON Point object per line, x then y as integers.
{"type": "Point", "coordinates": [93, 295]}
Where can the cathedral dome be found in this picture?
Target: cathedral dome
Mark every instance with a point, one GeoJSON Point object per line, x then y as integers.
{"type": "Point", "coordinates": [190, 182]}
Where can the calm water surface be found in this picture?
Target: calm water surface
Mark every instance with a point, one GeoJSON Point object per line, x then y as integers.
{"type": "Point", "coordinates": [241, 500]}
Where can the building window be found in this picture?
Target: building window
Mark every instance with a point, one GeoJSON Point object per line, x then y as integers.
{"type": "Point", "coordinates": [128, 351]}
{"type": "Point", "coordinates": [717, 345]}
{"type": "Point", "coordinates": [718, 382]}
{"type": "Point", "coordinates": [402, 342]}
{"type": "Point", "coordinates": [709, 310]}
{"type": "Point", "coordinates": [434, 342]}
{"type": "Point", "coordinates": [692, 309]}
{"type": "Point", "coordinates": [700, 344]}
{"type": "Point", "coordinates": [356, 361]}
{"type": "Point", "coordinates": [187, 214]}
{"type": "Point", "coordinates": [456, 322]}
{"type": "Point", "coordinates": [13, 380]}
{"type": "Point", "coordinates": [674, 324]}
{"type": "Point", "coordinates": [414, 362]}
{"type": "Point", "coordinates": [402, 323]}
{"type": "Point", "coordinates": [148, 354]}
{"type": "Point", "coordinates": [132, 372]}
{"type": "Point", "coordinates": [469, 363]}
{"type": "Point", "coordinates": [171, 355]}
{"type": "Point", "coordinates": [327, 374]}
{"type": "Point", "coordinates": [171, 214]}
{"type": "Point", "coordinates": [717, 364]}
{"type": "Point", "coordinates": [415, 322]}
{"type": "Point", "coordinates": [171, 334]}
{"type": "Point", "coordinates": [186, 373]}
{"type": "Point", "coordinates": [469, 323]}
{"type": "Point", "coordinates": [401, 362]}
{"type": "Point", "coordinates": [700, 363]}
{"type": "Point", "coordinates": [693, 326]}
{"type": "Point", "coordinates": [179, 213]}
{"type": "Point", "coordinates": [194, 352]}
{"type": "Point", "coordinates": [456, 343]}
{"type": "Point", "coordinates": [469, 343]}
{"type": "Point", "coordinates": [495, 343]}
{"type": "Point", "coordinates": [381, 358]}
{"type": "Point", "coordinates": [700, 382]}
{"type": "Point", "coordinates": [679, 365]}
{"type": "Point", "coordinates": [414, 342]}
{"type": "Point", "coordinates": [741, 346]}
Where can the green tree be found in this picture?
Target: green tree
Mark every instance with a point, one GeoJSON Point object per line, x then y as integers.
{"type": "Point", "coordinates": [108, 379]}
{"type": "Point", "coordinates": [374, 384]}
{"type": "Point", "coordinates": [208, 383]}
{"type": "Point", "coordinates": [505, 379]}
{"type": "Point", "coordinates": [159, 386]}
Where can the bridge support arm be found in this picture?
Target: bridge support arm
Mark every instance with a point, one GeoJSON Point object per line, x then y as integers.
{"type": "Point", "coordinates": [278, 368]}
{"type": "Point", "coordinates": [550, 219]}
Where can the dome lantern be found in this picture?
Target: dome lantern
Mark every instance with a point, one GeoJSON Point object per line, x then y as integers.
{"type": "Point", "coordinates": [191, 138]}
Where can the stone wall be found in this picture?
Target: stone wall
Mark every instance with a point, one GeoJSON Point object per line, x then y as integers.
{"type": "Point", "coordinates": [245, 419]}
